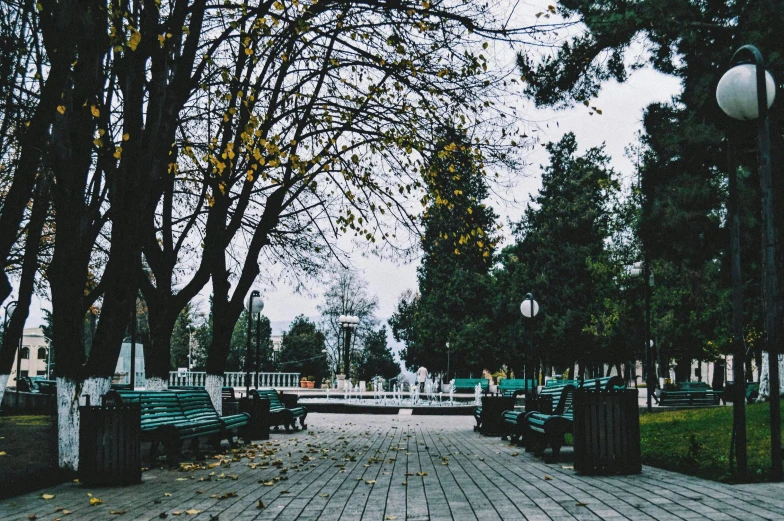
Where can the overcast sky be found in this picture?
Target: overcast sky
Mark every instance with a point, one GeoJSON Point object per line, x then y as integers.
{"type": "Point", "coordinates": [622, 106]}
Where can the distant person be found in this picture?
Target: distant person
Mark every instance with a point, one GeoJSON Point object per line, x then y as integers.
{"type": "Point", "coordinates": [421, 377]}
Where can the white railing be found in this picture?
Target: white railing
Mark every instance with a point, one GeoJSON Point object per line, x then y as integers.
{"type": "Point", "coordinates": [237, 379]}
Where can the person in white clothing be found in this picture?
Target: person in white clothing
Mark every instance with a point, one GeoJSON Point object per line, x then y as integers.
{"type": "Point", "coordinates": [421, 377]}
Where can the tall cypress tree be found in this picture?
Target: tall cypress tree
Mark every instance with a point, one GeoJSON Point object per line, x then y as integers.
{"type": "Point", "coordinates": [458, 242]}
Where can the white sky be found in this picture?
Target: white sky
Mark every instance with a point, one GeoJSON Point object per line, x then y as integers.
{"type": "Point", "coordinates": [622, 106]}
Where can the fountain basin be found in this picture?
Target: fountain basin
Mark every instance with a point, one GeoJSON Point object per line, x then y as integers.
{"type": "Point", "coordinates": [340, 406]}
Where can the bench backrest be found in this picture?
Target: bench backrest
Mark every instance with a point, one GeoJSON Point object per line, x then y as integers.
{"type": "Point", "coordinates": [694, 386]}
{"type": "Point", "coordinates": [509, 384]}
{"type": "Point", "coordinates": [466, 383]}
{"type": "Point", "coordinates": [157, 407]}
{"type": "Point", "coordinates": [196, 404]}
{"type": "Point", "coordinates": [561, 397]}
{"type": "Point", "coordinates": [271, 395]}
{"type": "Point", "coordinates": [560, 383]}
{"type": "Point", "coordinates": [228, 393]}
{"type": "Point", "coordinates": [604, 383]}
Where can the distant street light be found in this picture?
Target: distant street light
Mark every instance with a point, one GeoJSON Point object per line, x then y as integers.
{"type": "Point", "coordinates": [254, 307]}
{"type": "Point", "coordinates": [349, 323]}
{"type": "Point", "coordinates": [529, 308]}
{"type": "Point", "coordinates": [746, 92]}
{"type": "Point", "coordinates": [641, 269]}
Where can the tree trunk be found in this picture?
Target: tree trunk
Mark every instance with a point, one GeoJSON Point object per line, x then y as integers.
{"type": "Point", "coordinates": [764, 381]}
{"type": "Point", "coordinates": [10, 343]}
{"type": "Point", "coordinates": [157, 358]}
{"type": "Point", "coordinates": [70, 393]}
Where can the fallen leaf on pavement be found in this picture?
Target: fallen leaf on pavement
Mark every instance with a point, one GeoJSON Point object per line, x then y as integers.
{"type": "Point", "coordinates": [260, 504]}
{"type": "Point", "coordinates": [117, 512]}
{"type": "Point", "coordinates": [548, 478]}
{"type": "Point", "coordinates": [95, 501]}
{"type": "Point", "coordinates": [323, 495]}
{"type": "Point", "coordinates": [47, 496]}
{"type": "Point", "coordinates": [192, 511]}
{"type": "Point", "coordinates": [578, 504]}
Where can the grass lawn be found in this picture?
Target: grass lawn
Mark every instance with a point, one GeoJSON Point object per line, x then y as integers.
{"type": "Point", "coordinates": [28, 454]}
{"type": "Point", "coordinates": [697, 441]}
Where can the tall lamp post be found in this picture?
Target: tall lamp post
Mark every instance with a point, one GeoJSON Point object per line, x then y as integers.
{"type": "Point", "coordinates": [745, 92]}
{"type": "Point", "coordinates": [348, 323]}
{"type": "Point", "coordinates": [529, 308]}
{"type": "Point", "coordinates": [641, 269]}
{"type": "Point", "coordinates": [448, 352]}
{"type": "Point", "coordinates": [9, 312]}
{"type": "Point", "coordinates": [254, 307]}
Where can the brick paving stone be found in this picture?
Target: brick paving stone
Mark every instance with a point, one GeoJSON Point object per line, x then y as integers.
{"type": "Point", "coordinates": [347, 468]}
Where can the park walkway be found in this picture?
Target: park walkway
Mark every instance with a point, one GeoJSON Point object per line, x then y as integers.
{"type": "Point", "coordinates": [352, 467]}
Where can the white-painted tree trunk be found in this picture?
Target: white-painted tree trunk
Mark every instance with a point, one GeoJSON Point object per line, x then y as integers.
{"type": "Point", "coordinates": [764, 383]}
{"type": "Point", "coordinates": [156, 384]}
{"type": "Point", "coordinates": [3, 383]}
{"type": "Point", "coordinates": [69, 394]}
{"type": "Point", "coordinates": [214, 385]}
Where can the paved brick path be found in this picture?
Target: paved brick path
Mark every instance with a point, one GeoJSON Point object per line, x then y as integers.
{"type": "Point", "coordinates": [396, 467]}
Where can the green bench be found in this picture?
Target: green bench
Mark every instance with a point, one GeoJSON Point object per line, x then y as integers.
{"type": "Point", "coordinates": [170, 417]}
{"type": "Point", "coordinates": [514, 386]}
{"type": "Point", "coordinates": [550, 400]}
{"type": "Point", "coordinates": [552, 382]}
{"type": "Point", "coordinates": [548, 429]}
{"type": "Point", "coordinates": [469, 384]}
{"type": "Point", "coordinates": [280, 413]}
{"type": "Point", "coordinates": [690, 394]}
{"type": "Point", "coordinates": [550, 416]}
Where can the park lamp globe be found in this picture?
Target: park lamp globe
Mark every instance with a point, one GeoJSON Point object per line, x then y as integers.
{"type": "Point", "coordinates": [527, 305]}
{"type": "Point", "coordinates": [254, 305]}
{"type": "Point", "coordinates": [737, 92]}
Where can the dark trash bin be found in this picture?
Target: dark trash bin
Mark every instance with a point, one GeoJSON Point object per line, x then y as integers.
{"type": "Point", "coordinates": [109, 446]}
{"type": "Point", "coordinates": [607, 432]}
{"type": "Point", "coordinates": [259, 409]}
{"type": "Point", "coordinates": [492, 421]}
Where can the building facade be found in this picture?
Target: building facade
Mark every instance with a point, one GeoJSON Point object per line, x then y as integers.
{"type": "Point", "coordinates": [35, 355]}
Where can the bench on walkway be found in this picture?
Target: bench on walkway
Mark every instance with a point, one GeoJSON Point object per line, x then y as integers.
{"type": "Point", "coordinates": [690, 394]}
{"type": "Point", "coordinates": [550, 400]}
{"type": "Point", "coordinates": [550, 415]}
{"type": "Point", "coordinates": [553, 382]}
{"type": "Point", "coordinates": [469, 384]}
{"type": "Point", "coordinates": [543, 429]}
{"type": "Point", "coordinates": [33, 384]}
{"type": "Point", "coordinates": [282, 413]}
{"type": "Point", "coordinates": [515, 386]}
{"type": "Point", "coordinates": [170, 417]}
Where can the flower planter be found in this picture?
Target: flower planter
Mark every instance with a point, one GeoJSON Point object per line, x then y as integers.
{"type": "Point", "coordinates": [311, 384]}
{"type": "Point", "coordinates": [303, 384]}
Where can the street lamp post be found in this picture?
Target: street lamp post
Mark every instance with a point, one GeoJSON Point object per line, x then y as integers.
{"type": "Point", "coordinates": [348, 323]}
{"type": "Point", "coordinates": [448, 352]}
{"type": "Point", "coordinates": [529, 308]}
{"type": "Point", "coordinates": [9, 312]}
{"type": "Point", "coordinates": [254, 306]}
{"type": "Point", "coordinates": [638, 269]}
{"type": "Point", "coordinates": [745, 92]}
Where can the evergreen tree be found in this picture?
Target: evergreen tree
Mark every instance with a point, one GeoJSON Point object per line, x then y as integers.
{"type": "Point", "coordinates": [560, 256]}
{"type": "Point", "coordinates": [302, 350]}
{"type": "Point", "coordinates": [454, 303]}
{"type": "Point", "coordinates": [376, 358]}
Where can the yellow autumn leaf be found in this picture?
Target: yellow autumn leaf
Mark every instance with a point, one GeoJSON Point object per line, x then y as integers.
{"type": "Point", "coordinates": [95, 501]}
{"type": "Point", "coordinates": [98, 142]}
{"type": "Point", "coordinates": [136, 37]}
{"type": "Point", "coordinates": [192, 511]}
{"type": "Point", "coordinates": [47, 496]}
{"type": "Point", "coordinates": [116, 512]}
{"type": "Point", "coordinates": [117, 153]}
{"type": "Point", "coordinates": [61, 109]}
{"type": "Point", "coordinates": [95, 111]}
{"type": "Point", "coordinates": [126, 136]}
